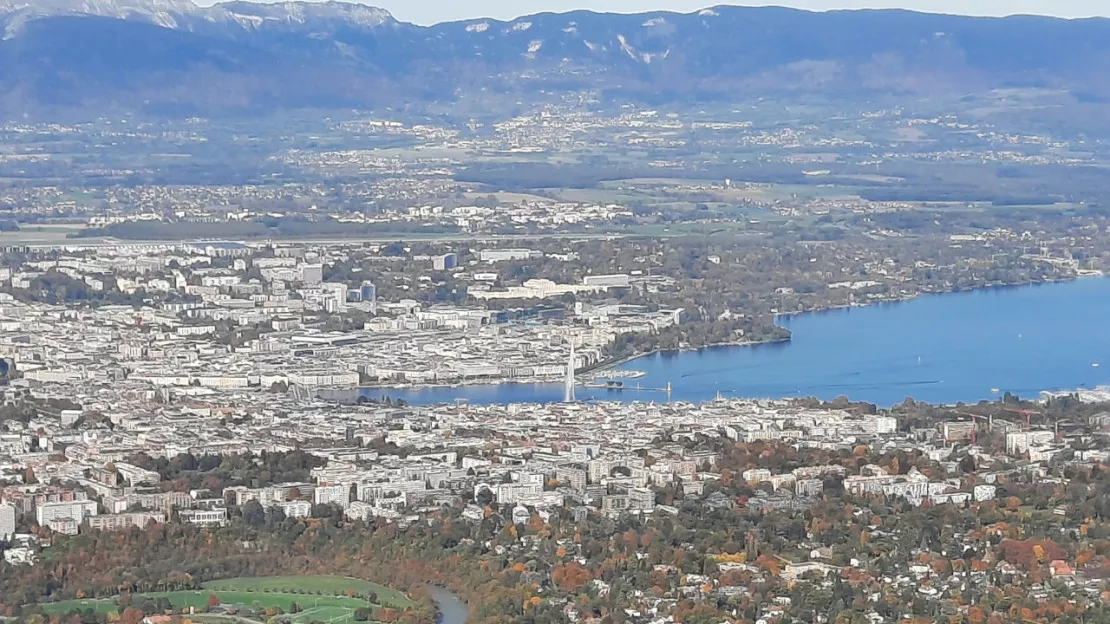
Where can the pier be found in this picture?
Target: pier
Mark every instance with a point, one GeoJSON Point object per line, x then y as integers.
{"type": "Point", "coordinates": [621, 387]}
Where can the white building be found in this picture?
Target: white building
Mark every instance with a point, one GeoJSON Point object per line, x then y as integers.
{"type": "Point", "coordinates": [204, 517]}
{"type": "Point", "coordinates": [20, 556]}
{"type": "Point", "coordinates": [809, 487]}
{"type": "Point", "coordinates": [76, 511]}
{"type": "Point", "coordinates": [607, 281]}
{"type": "Point", "coordinates": [885, 425]}
{"type": "Point", "coordinates": [312, 273]}
{"type": "Point", "coordinates": [521, 515]}
{"type": "Point", "coordinates": [314, 379]}
{"type": "Point", "coordinates": [1018, 442]}
{"type": "Point", "coordinates": [295, 509]}
{"type": "Point", "coordinates": [985, 492]}
{"type": "Point", "coordinates": [446, 262]}
{"type": "Point", "coordinates": [756, 475]}
{"type": "Point", "coordinates": [504, 255]}
{"type": "Point", "coordinates": [333, 495]}
{"type": "Point", "coordinates": [137, 476]}
{"type": "Point", "coordinates": [359, 510]}
{"type": "Point", "coordinates": [7, 522]}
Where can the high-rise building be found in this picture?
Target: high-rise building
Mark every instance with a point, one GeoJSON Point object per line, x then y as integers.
{"type": "Point", "coordinates": [336, 292]}
{"type": "Point", "coordinates": [7, 522]}
{"type": "Point", "coordinates": [312, 273]}
{"type": "Point", "coordinates": [370, 294]}
{"type": "Point", "coordinates": [568, 382]}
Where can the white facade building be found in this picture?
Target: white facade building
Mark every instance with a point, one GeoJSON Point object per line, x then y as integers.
{"type": "Point", "coordinates": [333, 495]}
{"type": "Point", "coordinates": [76, 511]}
{"type": "Point", "coordinates": [7, 522]}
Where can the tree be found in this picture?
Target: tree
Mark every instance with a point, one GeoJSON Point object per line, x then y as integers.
{"type": "Point", "coordinates": [254, 514]}
{"type": "Point", "coordinates": [213, 601]}
{"type": "Point", "coordinates": [131, 615]}
{"type": "Point", "coordinates": [570, 577]}
{"type": "Point", "coordinates": [967, 464]}
{"type": "Point", "coordinates": [484, 497]}
{"type": "Point", "coordinates": [362, 614]}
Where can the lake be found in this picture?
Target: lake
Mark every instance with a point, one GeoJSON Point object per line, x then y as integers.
{"type": "Point", "coordinates": [944, 348]}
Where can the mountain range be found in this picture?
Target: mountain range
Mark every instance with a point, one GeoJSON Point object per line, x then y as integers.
{"type": "Point", "coordinates": [172, 57]}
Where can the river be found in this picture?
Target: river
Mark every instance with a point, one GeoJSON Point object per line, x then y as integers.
{"type": "Point", "coordinates": [946, 348]}
{"type": "Point", "coordinates": [452, 610]}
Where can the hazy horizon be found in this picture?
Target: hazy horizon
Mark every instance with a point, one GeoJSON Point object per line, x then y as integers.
{"type": "Point", "coordinates": [436, 11]}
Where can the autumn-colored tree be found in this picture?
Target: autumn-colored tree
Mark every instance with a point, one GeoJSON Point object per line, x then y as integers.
{"type": "Point", "coordinates": [213, 600]}
{"type": "Point", "coordinates": [570, 577]}
{"type": "Point", "coordinates": [1084, 557]}
{"type": "Point", "coordinates": [1029, 553]}
{"type": "Point", "coordinates": [131, 615]}
{"type": "Point", "coordinates": [768, 564]}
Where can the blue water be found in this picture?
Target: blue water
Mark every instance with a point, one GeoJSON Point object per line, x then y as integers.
{"type": "Point", "coordinates": [452, 610]}
{"type": "Point", "coordinates": [937, 348]}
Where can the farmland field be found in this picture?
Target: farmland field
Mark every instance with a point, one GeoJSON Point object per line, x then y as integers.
{"type": "Point", "coordinates": [320, 598]}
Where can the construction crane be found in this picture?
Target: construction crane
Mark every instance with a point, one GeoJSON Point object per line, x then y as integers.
{"type": "Point", "coordinates": [1025, 413]}
{"type": "Point", "coordinates": [975, 425]}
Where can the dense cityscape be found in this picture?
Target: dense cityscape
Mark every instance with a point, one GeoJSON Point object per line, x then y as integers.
{"type": "Point", "coordinates": [229, 387]}
{"type": "Point", "coordinates": [242, 324]}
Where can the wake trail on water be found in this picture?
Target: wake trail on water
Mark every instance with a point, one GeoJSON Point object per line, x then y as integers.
{"type": "Point", "coordinates": [844, 387]}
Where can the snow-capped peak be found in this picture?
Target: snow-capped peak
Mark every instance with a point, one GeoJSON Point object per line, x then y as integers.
{"type": "Point", "coordinates": [302, 12]}
{"type": "Point", "coordinates": [183, 14]}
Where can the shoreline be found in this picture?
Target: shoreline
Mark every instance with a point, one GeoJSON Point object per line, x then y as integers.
{"type": "Point", "coordinates": [614, 364]}
{"type": "Point", "coordinates": [731, 343]}
{"type": "Point", "coordinates": [953, 291]}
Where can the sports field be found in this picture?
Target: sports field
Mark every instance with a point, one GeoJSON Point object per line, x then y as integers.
{"type": "Point", "coordinates": [320, 598]}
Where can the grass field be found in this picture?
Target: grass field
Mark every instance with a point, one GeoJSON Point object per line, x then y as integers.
{"type": "Point", "coordinates": [322, 598]}
{"type": "Point", "coordinates": [328, 585]}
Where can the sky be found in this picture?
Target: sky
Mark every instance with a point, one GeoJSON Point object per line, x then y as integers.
{"type": "Point", "coordinates": [434, 11]}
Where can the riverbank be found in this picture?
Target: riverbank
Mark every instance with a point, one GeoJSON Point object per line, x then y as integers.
{"type": "Point", "coordinates": [450, 608]}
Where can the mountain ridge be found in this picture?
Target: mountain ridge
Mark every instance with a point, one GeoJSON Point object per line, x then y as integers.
{"type": "Point", "coordinates": [239, 56]}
